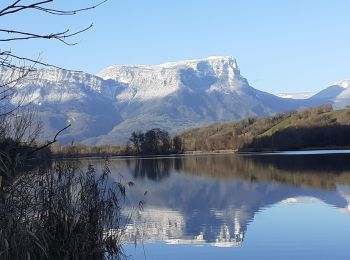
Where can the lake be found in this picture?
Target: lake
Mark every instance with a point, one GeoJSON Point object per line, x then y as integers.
{"type": "Point", "coordinates": [271, 206]}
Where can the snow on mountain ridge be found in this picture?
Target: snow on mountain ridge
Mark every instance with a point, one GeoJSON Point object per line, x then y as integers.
{"type": "Point", "coordinates": [58, 85]}
{"type": "Point", "coordinates": [176, 95]}
{"type": "Point", "coordinates": [145, 82]}
{"type": "Point", "coordinates": [337, 94]}
{"type": "Point", "coordinates": [297, 95]}
{"type": "Point", "coordinates": [213, 60]}
{"type": "Point", "coordinates": [343, 83]}
{"type": "Point", "coordinates": [172, 64]}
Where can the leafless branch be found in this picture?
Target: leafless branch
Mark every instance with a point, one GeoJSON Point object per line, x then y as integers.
{"type": "Point", "coordinates": [24, 59]}
{"type": "Point", "coordinates": [39, 6]}
{"type": "Point", "coordinates": [54, 140]}
{"type": "Point", "coordinates": [60, 36]}
{"type": "Point", "coordinates": [14, 68]}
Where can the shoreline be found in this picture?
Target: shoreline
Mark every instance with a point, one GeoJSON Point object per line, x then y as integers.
{"type": "Point", "coordinates": [205, 153]}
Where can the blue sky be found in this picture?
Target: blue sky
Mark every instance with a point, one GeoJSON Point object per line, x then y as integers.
{"type": "Point", "coordinates": [280, 45]}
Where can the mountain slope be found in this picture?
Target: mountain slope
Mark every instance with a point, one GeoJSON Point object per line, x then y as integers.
{"type": "Point", "coordinates": [337, 94]}
{"type": "Point", "coordinates": [106, 108]}
{"type": "Point", "coordinates": [64, 97]}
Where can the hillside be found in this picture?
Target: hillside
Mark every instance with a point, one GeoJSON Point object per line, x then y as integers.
{"type": "Point", "coordinates": [317, 127]}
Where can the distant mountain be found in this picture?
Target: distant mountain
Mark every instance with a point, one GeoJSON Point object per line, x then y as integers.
{"type": "Point", "coordinates": [122, 98]}
{"type": "Point", "coordinates": [338, 94]}
{"type": "Point", "coordinates": [298, 95]}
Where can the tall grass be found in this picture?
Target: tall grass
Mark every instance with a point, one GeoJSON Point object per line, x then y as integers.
{"type": "Point", "coordinates": [62, 213]}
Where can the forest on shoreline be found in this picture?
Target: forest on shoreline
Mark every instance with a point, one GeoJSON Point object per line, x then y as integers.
{"type": "Point", "coordinates": [313, 128]}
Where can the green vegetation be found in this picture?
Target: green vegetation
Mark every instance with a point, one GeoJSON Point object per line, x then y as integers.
{"type": "Point", "coordinates": [318, 127]}
{"type": "Point", "coordinates": [284, 124]}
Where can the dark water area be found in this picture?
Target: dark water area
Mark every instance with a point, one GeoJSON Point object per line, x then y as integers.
{"type": "Point", "coordinates": [266, 206]}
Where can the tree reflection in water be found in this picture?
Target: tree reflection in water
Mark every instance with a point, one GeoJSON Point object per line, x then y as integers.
{"type": "Point", "coordinates": [319, 171]}
{"type": "Point", "coordinates": [155, 170]}
{"type": "Point", "coordinates": [212, 199]}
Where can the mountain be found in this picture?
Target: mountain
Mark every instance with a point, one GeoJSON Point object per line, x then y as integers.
{"type": "Point", "coordinates": [298, 95]}
{"type": "Point", "coordinates": [338, 94]}
{"type": "Point", "coordinates": [178, 95]}
{"type": "Point", "coordinates": [106, 108]}
{"type": "Point", "coordinates": [63, 97]}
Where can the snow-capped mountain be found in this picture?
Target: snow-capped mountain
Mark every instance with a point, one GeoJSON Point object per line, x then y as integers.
{"type": "Point", "coordinates": [184, 94]}
{"type": "Point", "coordinates": [66, 97]}
{"type": "Point", "coordinates": [298, 95]}
{"type": "Point", "coordinates": [338, 94]}
{"type": "Point", "coordinates": [122, 98]}
{"type": "Point", "coordinates": [158, 81]}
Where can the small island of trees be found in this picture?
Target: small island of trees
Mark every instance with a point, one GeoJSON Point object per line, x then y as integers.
{"type": "Point", "coordinates": [155, 141]}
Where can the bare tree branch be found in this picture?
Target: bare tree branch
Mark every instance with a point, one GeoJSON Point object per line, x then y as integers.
{"type": "Point", "coordinates": [15, 7]}
{"type": "Point", "coordinates": [60, 36]}
{"type": "Point", "coordinates": [54, 140]}
{"type": "Point", "coordinates": [24, 59]}
{"type": "Point", "coordinates": [15, 123]}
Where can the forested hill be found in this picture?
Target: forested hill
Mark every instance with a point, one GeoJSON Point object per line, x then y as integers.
{"type": "Point", "coordinates": [318, 127]}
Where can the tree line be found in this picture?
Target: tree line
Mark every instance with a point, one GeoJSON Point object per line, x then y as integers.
{"type": "Point", "coordinates": [294, 138]}
{"type": "Point", "coordinates": [155, 141]}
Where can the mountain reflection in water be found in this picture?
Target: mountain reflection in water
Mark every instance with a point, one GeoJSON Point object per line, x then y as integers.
{"type": "Point", "coordinates": [212, 199]}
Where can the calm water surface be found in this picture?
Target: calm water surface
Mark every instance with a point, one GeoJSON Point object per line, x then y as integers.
{"type": "Point", "coordinates": [276, 206]}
